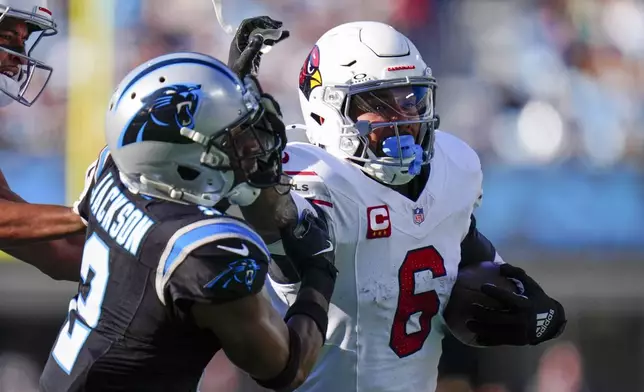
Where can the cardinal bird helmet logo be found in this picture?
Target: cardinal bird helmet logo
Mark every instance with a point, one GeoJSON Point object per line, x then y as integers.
{"type": "Point", "coordinates": [310, 76]}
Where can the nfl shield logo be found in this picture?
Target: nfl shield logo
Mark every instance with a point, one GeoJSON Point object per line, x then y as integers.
{"type": "Point", "coordinates": [419, 215]}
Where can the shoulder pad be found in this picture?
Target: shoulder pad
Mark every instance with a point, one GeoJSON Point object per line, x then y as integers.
{"type": "Point", "coordinates": [458, 152]}
{"type": "Point", "coordinates": [461, 165]}
{"type": "Point", "coordinates": [307, 168]}
{"type": "Point", "coordinates": [201, 234]}
{"type": "Point", "coordinates": [104, 160]}
{"type": "Point", "coordinates": [318, 175]}
{"type": "Point", "coordinates": [94, 170]}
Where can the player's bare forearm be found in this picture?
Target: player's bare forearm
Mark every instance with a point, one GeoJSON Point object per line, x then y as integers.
{"type": "Point", "coordinates": [59, 259]}
{"type": "Point", "coordinates": [255, 338]}
{"type": "Point", "coordinates": [252, 334]}
{"type": "Point", "coordinates": [28, 232]}
{"type": "Point", "coordinates": [22, 222]}
{"type": "Point", "coordinates": [269, 212]}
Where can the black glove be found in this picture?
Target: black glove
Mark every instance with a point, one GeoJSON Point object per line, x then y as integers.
{"type": "Point", "coordinates": [530, 318]}
{"type": "Point", "coordinates": [270, 104]}
{"type": "Point", "coordinates": [272, 112]}
{"type": "Point", "coordinates": [244, 55]}
{"type": "Point", "coordinates": [309, 246]}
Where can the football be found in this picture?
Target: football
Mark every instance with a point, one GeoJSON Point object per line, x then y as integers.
{"type": "Point", "coordinates": [467, 291]}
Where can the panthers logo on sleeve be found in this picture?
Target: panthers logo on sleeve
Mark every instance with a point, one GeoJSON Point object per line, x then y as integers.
{"type": "Point", "coordinates": [241, 271]}
{"type": "Point", "coordinates": [163, 114]}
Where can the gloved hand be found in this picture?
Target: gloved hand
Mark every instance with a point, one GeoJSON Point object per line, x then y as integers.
{"type": "Point", "coordinates": [271, 106]}
{"type": "Point", "coordinates": [530, 318]}
{"type": "Point", "coordinates": [310, 248]}
{"type": "Point", "coordinates": [270, 122]}
{"type": "Point", "coordinates": [245, 55]}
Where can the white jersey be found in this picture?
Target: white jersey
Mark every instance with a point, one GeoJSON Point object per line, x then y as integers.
{"type": "Point", "coordinates": [397, 261]}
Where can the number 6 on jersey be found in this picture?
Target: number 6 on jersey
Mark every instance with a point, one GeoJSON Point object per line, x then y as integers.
{"type": "Point", "coordinates": [410, 303]}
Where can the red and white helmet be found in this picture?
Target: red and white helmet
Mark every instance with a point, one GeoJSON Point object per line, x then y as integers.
{"type": "Point", "coordinates": [367, 95]}
{"type": "Point", "coordinates": [27, 84]}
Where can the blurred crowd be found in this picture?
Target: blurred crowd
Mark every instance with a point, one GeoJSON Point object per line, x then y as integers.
{"type": "Point", "coordinates": [525, 82]}
{"type": "Point", "coordinates": [548, 92]}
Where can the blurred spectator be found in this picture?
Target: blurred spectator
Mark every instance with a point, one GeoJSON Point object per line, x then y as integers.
{"type": "Point", "coordinates": [18, 373]}
{"type": "Point", "coordinates": [580, 57]}
{"type": "Point", "coordinates": [560, 370]}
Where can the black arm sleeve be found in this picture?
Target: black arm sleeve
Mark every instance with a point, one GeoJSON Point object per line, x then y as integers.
{"type": "Point", "coordinates": [282, 270]}
{"type": "Point", "coordinates": [218, 272]}
{"type": "Point", "coordinates": [475, 248]}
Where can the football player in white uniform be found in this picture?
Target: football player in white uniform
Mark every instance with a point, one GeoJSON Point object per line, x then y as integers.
{"type": "Point", "coordinates": [23, 25]}
{"type": "Point", "coordinates": [399, 196]}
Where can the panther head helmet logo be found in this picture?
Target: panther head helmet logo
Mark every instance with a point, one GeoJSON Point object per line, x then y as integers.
{"type": "Point", "coordinates": [162, 115]}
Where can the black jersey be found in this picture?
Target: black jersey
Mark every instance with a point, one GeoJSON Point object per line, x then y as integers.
{"type": "Point", "coordinates": [145, 262]}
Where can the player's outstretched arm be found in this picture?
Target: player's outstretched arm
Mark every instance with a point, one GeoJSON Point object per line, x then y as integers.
{"type": "Point", "coordinates": [32, 233]}
{"type": "Point", "coordinates": [22, 222]}
{"type": "Point", "coordinates": [277, 353]}
{"type": "Point", "coordinates": [272, 210]}
{"type": "Point", "coordinates": [256, 339]}
{"type": "Point", "coordinates": [59, 259]}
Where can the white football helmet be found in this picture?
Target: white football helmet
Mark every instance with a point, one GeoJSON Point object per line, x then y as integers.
{"type": "Point", "coordinates": [367, 96]}
{"type": "Point", "coordinates": [22, 77]}
{"type": "Point", "coordinates": [179, 126]}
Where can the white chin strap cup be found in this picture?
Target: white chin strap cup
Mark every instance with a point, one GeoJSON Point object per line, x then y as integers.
{"type": "Point", "coordinates": [243, 195]}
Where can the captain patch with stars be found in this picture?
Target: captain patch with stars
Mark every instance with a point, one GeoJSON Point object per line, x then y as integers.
{"type": "Point", "coordinates": [163, 114]}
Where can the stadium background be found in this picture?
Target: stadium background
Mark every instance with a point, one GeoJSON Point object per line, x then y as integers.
{"type": "Point", "coordinates": [549, 92]}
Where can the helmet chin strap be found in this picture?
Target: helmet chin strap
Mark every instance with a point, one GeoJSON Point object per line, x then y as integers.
{"type": "Point", "coordinates": [242, 195]}
{"type": "Point", "coordinates": [167, 192]}
{"type": "Point", "coordinates": [389, 175]}
{"type": "Point", "coordinates": [406, 155]}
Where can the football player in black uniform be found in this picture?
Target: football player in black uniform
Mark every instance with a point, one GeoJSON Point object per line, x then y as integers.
{"type": "Point", "coordinates": [166, 280]}
{"type": "Point", "coordinates": [23, 25]}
